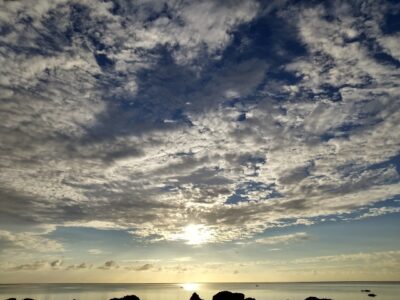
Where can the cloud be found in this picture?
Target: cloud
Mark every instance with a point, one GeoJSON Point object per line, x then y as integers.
{"type": "Point", "coordinates": [140, 268]}
{"type": "Point", "coordinates": [253, 142]}
{"type": "Point", "coordinates": [183, 259]}
{"type": "Point", "coordinates": [84, 265]}
{"type": "Point", "coordinates": [30, 267]}
{"type": "Point", "coordinates": [56, 263]}
{"type": "Point", "coordinates": [35, 266]}
{"type": "Point", "coordinates": [284, 239]}
{"type": "Point", "coordinates": [95, 251]}
{"type": "Point", "coordinates": [379, 211]}
{"type": "Point", "coordinates": [52, 265]}
{"type": "Point", "coordinates": [145, 267]}
{"type": "Point", "coordinates": [384, 257]}
{"type": "Point", "coordinates": [28, 242]}
{"type": "Point", "coordinates": [389, 260]}
{"type": "Point", "coordinates": [108, 265]}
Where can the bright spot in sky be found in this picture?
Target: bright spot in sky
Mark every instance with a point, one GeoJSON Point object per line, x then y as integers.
{"type": "Point", "coordinates": [195, 234]}
{"type": "Point", "coordinates": [190, 286]}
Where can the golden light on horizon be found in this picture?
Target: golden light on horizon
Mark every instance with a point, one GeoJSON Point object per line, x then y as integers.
{"type": "Point", "coordinates": [190, 287]}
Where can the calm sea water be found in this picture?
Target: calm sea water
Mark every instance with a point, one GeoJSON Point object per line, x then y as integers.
{"type": "Point", "coordinates": [260, 291]}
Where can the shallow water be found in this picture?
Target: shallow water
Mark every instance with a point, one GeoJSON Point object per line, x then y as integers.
{"type": "Point", "coordinates": [260, 291]}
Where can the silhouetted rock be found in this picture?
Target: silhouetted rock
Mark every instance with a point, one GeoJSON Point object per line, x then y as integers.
{"type": "Point", "coordinates": [371, 295]}
{"type": "Point", "coordinates": [249, 299]}
{"type": "Point", "coordinates": [195, 297]}
{"type": "Point", "coordinates": [316, 298]}
{"type": "Point", "coordinates": [29, 299]}
{"type": "Point", "coordinates": [226, 295]}
{"type": "Point", "coordinates": [366, 291]}
{"type": "Point", "coordinates": [12, 299]}
{"type": "Point", "coordinates": [128, 297]}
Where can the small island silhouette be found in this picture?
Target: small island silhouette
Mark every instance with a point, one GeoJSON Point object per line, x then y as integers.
{"type": "Point", "coordinates": [223, 295]}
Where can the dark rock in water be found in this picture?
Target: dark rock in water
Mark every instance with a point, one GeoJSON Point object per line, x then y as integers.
{"type": "Point", "coordinates": [371, 295]}
{"type": "Point", "coordinates": [249, 299]}
{"type": "Point", "coordinates": [29, 299]}
{"type": "Point", "coordinates": [316, 298]}
{"type": "Point", "coordinates": [128, 297]}
{"type": "Point", "coordinates": [365, 291]}
{"type": "Point", "coordinates": [226, 295]}
{"type": "Point", "coordinates": [195, 297]}
{"type": "Point", "coordinates": [12, 299]}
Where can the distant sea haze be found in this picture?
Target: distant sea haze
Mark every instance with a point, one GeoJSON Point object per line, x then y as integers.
{"type": "Point", "coordinates": [183, 291]}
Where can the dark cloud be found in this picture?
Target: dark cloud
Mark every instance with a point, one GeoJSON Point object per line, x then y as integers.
{"type": "Point", "coordinates": [108, 265]}
{"type": "Point", "coordinates": [145, 267]}
{"type": "Point", "coordinates": [56, 263]}
{"type": "Point", "coordinates": [84, 265]}
{"type": "Point", "coordinates": [30, 267]}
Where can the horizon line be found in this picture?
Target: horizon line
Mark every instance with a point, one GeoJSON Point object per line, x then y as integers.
{"type": "Point", "coordinates": [219, 282]}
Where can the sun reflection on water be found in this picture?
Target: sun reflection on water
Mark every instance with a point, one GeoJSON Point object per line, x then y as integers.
{"type": "Point", "coordinates": [191, 287]}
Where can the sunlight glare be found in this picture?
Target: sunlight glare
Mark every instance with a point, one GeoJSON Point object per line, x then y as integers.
{"type": "Point", "coordinates": [190, 287]}
{"type": "Point", "coordinates": [195, 234]}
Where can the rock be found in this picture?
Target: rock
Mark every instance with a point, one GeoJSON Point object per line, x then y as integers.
{"type": "Point", "coordinates": [12, 299]}
{"type": "Point", "coordinates": [226, 295]}
{"type": "Point", "coordinates": [316, 298]}
{"type": "Point", "coordinates": [128, 297]}
{"type": "Point", "coordinates": [371, 295]}
{"type": "Point", "coordinates": [195, 297]}
{"type": "Point", "coordinates": [29, 299]}
{"type": "Point", "coordinates": [365, 291]}
{"type": "Point", "coordinates": [249, 299]}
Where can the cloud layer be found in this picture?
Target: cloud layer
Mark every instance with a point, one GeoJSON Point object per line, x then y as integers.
{"type": "Point", "coordinates": [234, 115]}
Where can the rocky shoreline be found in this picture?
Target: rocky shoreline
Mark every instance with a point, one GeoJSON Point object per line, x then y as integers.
{"type": "Point", "coordinates": [223, 295]}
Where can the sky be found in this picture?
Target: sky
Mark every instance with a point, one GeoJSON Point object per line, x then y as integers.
{"type": "Point", "coordinates": [189, 141]}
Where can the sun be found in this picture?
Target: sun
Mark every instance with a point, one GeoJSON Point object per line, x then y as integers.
{"type": "Point", "coordinates": [191, 287]}
{"type": "Point", "coordinates": [195, 234]}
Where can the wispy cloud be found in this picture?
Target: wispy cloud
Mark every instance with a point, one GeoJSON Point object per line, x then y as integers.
{"type": "Point", "coordinates": [81, 266]}
{"type": "Point", "coordinates": [379, 211]}
{"type": "Point", "coordinates": [28, 242]}
{"type": "Point", "coordinates": [284, 239]}
{"type": "Point", "coordinates": [95, 251]}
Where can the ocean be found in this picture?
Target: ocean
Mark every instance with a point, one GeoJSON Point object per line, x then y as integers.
{"type": "Point", "coordinates": [169, 291]}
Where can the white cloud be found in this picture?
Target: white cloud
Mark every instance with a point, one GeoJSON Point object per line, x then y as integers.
{"type": "Point", "coordinates": [95, 251]}
{"type": "Point", "coordinates": [391, 44]}
{"type": "Point", "coordinates": [379, 211]}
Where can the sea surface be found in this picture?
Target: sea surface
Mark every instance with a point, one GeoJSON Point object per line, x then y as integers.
{"type": "Point", "coordinates": [169, 291]}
